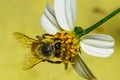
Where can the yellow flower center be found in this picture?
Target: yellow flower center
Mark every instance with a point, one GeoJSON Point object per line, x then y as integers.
{"type": "Point", "coordinates": [69, 47]}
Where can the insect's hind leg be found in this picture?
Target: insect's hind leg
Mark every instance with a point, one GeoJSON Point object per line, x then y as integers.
{"type": "Point", "coordinates": [56, 62]}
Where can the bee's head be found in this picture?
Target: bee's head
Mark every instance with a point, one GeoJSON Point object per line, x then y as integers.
{"type": "Point", "coordinates": [46, 49]}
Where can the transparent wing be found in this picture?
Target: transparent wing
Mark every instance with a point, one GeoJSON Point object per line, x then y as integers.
{"type": "Point", "coordinates": [23, 39]}
{"type": "Point", "coordinates": [30, 61]}
{"type": "Point", "coordinates": [81, 68]}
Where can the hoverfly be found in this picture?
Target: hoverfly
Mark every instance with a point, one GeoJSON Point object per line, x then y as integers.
{"type": "Point", "coordinates": [58, 48]}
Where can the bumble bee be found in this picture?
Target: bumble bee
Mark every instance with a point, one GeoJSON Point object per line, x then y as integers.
{"type": "Point", "coordinates": [62, 46]}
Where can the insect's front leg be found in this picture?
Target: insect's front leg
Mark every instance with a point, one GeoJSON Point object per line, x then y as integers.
{"type": "Point", "coordinates": [45, 36]}
{"type": "Point", "coordinates": [39, 38]}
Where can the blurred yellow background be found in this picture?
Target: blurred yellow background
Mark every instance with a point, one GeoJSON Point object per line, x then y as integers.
{"type": "Point", "coordinates": [24, 16]}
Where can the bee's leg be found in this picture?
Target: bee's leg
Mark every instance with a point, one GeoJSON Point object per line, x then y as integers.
{"type": "Point", "coordinates": [56, 62]}
{"type": "Point", "coordinates": [66, 66]}
{"type": "Point", "coordinates": [57, 39]}
{"type": "Point", "coordinates": [44, 36]}
{"type": "Point", "coordinates": [39, 38]}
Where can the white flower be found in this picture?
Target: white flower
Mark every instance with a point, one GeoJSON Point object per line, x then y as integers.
{"type": "Point", "coordinates": [63, 17]}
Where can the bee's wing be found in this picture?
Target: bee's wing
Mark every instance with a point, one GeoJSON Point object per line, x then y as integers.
{"type": "Point", "coordinates": [23, 39]}
{"type": "Point", "coordinates": [81, 68]}
{"type": "Point", "coordinates": [30, 61]}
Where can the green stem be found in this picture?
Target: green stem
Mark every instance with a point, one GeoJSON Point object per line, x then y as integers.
{"type": "Point", "coordinates": [102, 21]}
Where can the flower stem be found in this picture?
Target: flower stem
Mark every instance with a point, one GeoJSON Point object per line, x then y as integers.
{"type": "Point", "coordinates": [102, 21]}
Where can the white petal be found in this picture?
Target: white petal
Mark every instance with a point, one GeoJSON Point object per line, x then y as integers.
{"type": "Point", "coordinates": [50, 9]}
{"type": "Point", "coordinates": [81, 68]}
{"type": "Point", "coordinates": [48, 26]}
{"type": "Point", "coordinates": [99, 45]}
{"type": "Point", "coordinates": [74, 11]}
{"type": "Point", "coordinates": [49, 21]}
{"type": "Point", "coordinates": [65, 12]}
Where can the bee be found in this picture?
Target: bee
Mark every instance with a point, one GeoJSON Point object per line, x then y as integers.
{"type": "Point", "coordinates": [58, 48]}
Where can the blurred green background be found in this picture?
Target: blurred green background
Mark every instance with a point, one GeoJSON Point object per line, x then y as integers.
{"type": "Point", "coordinates": [24, 16]}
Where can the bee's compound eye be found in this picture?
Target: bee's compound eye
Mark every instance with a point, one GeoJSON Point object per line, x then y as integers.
{"type": "Point", "coordinates": [57, 45]}
{"type": "Point", "coordinates": [46, 49]}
